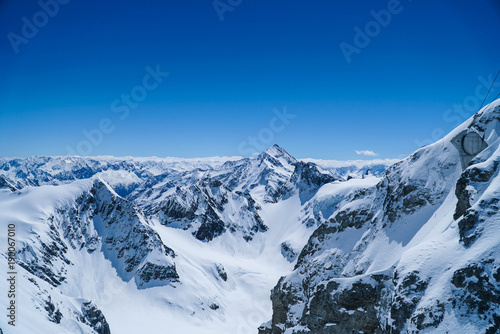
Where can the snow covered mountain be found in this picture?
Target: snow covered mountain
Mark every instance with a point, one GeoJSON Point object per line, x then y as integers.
{"type": "Point", "coordinates": [416, 252]}
{"type": "Point", "coordinates": [268, 245]}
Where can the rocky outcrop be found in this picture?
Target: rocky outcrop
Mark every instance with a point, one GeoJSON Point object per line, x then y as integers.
{"type": "Point", "coordinates": [5, 183]}
{"type": "Point", "coordinates": [94, 318]}
{"type": "Point", "coordinates": [150, 272]}
{"type": "Point", "coordinates": [53, 312]}
{"type": "Point", "coordinates": [46, 258]}
{"type": "Point", "coordinates": [306, 179]}
{"type": "Point", "coordinates": [221, 272]}
{"type": "Point", "coordinates": [208, 209]}
{"type": "Point", "coordinates": [472, 179]}
{"type": "Point", "coordinates": [100, 220]}
{"type": "Point", "coordinates": [288, 252]}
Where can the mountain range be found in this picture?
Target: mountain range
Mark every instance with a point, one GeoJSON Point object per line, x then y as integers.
{"type": "Point", "coordinates": [270, 244]}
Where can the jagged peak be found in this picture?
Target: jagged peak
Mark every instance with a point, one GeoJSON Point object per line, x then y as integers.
{"type": "Point", "coordinates": [101, 184]}
{"type": "Point", "coordinates": [277, 152]}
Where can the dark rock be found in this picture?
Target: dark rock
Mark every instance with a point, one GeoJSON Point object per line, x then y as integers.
{"type": "Point", "coordinates": [288, 252]}
{"type": "Point", "coordinates": [263, 329]}
{"type": "Point", "coordinates": [429, 317]}
{"type": "Point", "coordinates": [7, 184]}
{"type": "Point", "coordinates": [307, 179]}
{"type": "Point", "coordinates": [222, 272]}
{"type": "Point", "coordinates": [463, 197]}
{"type": "Point", "coordinates": [154, 272]}
{"type": "Point", "coordinates": [53, 312]}
{"type": "Point", "coordinates": [211, 227]}
{"type": "Point", "coordinates": [466, 224]}
{"type": "Point", "coordinates": [476, 288]}
{"type": "Point", "coordinates": [352, 310]}
{"type": "Point", "coordinates": [408, 292]}
{"type": "Point", "coordinates": [95, 318]}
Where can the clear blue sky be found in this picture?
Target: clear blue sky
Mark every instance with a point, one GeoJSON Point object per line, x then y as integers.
{"type": "Point", "coordinates": [227, 76]}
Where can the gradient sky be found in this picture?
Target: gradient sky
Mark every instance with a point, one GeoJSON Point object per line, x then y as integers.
{"type": "Point", "coordinates": [227, 76]}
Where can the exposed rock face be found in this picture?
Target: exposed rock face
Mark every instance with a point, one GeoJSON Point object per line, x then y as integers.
{"type": "Point", "coordinates": [53, 312]}
{"type": "Point", "coordinates": [154, 272]}
{"type": "Point", "coordinates": [221, 272]}
{"type": "Point", "coordinates": [288, 252]}
{"type": "Point", "coordinates": [306, 179]}
{"type": "Point", "coordinates": [408, 292]}
{"type": "Point", "coordinates": [5, 183]}
{"type": "Point", "coordinates": [101, 220]}
{"type": "Point", "coordinates": [466, 191]}
{"type": "Point", "coordinates": [89, 317]}
{"type": "Point", "coordinates": [342, 309]}
{"type": "Point", "coordinates": [46, 258]}
{"type": "Point", "coordinates": [412, 254]}
{"type": "Point", "coordinates": [209, 209]}
{"type": "Point", "coordinates": [94, 317]}
{"type": "Point", "coordinates": [125, 231]}
{"type": "Point", "coordinates": [265, 328]}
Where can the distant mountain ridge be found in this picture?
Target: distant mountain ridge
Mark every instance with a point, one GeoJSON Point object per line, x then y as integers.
{"type": "Point", "coordinates": [36, 171]}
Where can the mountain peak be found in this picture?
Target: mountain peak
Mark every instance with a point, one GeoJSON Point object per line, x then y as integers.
{"type": "Point", "coordinates": [278, 152]}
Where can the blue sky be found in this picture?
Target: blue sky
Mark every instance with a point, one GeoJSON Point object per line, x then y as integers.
{"type": "Point", "coordinates": [63, 89]}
